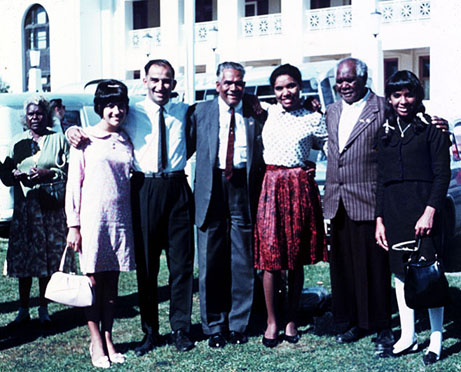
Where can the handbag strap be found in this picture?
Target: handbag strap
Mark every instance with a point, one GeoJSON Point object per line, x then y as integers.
{"type": "Point", "coordinates": [63, 261]}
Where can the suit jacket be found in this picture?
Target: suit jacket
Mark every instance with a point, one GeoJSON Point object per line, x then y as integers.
{"type": "Point", "coordinates": [203, 133]}
{"type": "Point", "coordinates": [352, 174]}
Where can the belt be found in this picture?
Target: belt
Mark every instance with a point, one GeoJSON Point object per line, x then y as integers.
{"type": "Point", "coordinates": [163, 175]}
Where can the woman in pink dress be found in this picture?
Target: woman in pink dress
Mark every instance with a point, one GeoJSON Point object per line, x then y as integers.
{"type": "Point", "coordinates": [99, 213]}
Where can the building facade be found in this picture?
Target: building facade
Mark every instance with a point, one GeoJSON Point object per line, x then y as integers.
{"type": "Point", "coordinates": [82, 40]}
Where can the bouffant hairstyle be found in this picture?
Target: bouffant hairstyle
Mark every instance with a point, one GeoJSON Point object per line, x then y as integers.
{"type": "Point", "coordinates": [108, 92]}
{"type": "Point", "coordinates": [289, 70]}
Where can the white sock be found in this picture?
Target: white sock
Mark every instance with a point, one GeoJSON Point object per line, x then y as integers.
{"type": "Point", "coordinates": [407, 319]}
{"type": "Point", "coordinates": [436, 319]}
{"type": "Point", "coordinates": [23, 313]}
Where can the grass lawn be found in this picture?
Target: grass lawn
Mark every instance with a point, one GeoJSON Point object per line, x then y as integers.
{"type": "Point", "coordinates": [66, 347]}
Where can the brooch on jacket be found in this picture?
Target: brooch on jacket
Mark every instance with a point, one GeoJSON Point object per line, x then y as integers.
{"type": "Point", "coordinates": [387, 127]}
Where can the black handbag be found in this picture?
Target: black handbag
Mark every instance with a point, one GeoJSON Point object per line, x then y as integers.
{"type": "Point", "coordinates": [425, 283]}
{"type": "Point", "coordinates": [52, 194]}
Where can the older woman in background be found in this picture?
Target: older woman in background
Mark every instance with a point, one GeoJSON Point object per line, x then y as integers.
{"type": "Point", "coordinates": [37, 158]}
{"type": "Point", "coordinates": [289, 230]}
{"type": "Point", "coordinates": [413, 178]}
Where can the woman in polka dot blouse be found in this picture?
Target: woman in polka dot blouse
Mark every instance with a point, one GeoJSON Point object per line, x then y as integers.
{"type": "Point", "coordinates": [289, 229]}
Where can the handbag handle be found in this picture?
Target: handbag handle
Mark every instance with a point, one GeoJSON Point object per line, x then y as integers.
{"type": "Point", "coordinates": [63, 261]}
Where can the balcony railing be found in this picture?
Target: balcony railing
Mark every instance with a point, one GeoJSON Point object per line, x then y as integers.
{"type": "Point", "coordinates": [405, 10]}
{"type": "Point", "coordinates": [202, 30]}
{"type": "Point", "coordinates": [329, 18]}
{"type": "Point", "coordinates": [391, 11]}
{"type": "Point", "coordinates": [262, 25]}
{"type": "Point", "coordinates": [146, 38]}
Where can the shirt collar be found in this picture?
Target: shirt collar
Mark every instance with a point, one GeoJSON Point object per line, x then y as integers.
{"type": "Point", "coordinates": [357, 103]}
{"type": "Point", "coordinates": [223, 106]}
{"type": "Point", "coordinates": [151, 106]}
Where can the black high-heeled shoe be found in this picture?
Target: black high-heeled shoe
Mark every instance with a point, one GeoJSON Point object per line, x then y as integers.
{"type": "Point", "coordinates": [292, 339]}
{"type": "Point", "coordinates": [413, 348]}
{"type": "Point", "coordinates": [430, 358]}
{"type": "Point", "coordinates": [270, 342]}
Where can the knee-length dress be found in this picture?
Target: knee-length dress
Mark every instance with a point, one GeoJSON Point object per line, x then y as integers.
{"type": "Point", "coordinates": [413, 172]}
{"type": "Point", "coordinates": [289, 231]}
{"type": "Point", "coordinates": [98, 200]}
{"type": "Point", "coordinates": [37, 234]}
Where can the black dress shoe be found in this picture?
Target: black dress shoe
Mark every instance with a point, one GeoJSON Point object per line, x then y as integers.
{"type": "Point", "coordinates": [430, 358]}
{"type": "Point", "coordinates": [147, 344]}
{"type": "Point", "coordinates": [237, 338]}
{"type": "Point", "coordinates": [384, 340]}
{"type": "Point", "coordinates": [352, 335]}
{"type": "Point", "coordinates": [413, 348]}
{"type": "Point", "coordinates": [15, 324]}
{"type": "Point", "coordinates": [292, 339]}
{"type": "Point", "coordinates": [182, 341]}
{"type": "Point", "coordinates": [217, 340]}
{"type": "Point", "coordinates": [270, 342]}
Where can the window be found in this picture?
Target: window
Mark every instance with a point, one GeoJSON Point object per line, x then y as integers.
{"type": "Point", "coordinates": [256, 7]}
{"type": "Point", "coordinates": [37, 37]}
{"type": "Point", "coordinates": [391, 65]}
{"type": "Point", "coordinates": [146, 14]}
{"type": "Point", "coordinates": [424, 74]}
{"type": "Point", "coordinates": [251, 8]}
{"type": "Point", "coordinates": [203, 10]}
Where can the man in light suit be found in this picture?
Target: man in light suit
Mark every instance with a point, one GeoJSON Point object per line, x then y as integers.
{"type": "Point", "coordinates": [229, 172]}
{"type": "Point", "coordinates": [359, 269]}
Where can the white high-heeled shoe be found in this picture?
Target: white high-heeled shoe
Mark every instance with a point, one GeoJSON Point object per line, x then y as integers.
{"type": "Point", "coordinates": [102, 362]}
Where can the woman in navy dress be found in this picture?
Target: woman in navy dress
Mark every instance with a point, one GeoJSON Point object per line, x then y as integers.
{"type": "Point", "coordinates": [413, 178]}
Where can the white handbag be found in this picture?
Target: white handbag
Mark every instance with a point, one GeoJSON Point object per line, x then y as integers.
{"type": "Point", "coordinates": [69, 288]}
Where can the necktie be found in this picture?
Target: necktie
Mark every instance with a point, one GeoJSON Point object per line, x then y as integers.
{"type": "Point", "coordinates": [230, 146]}
{"type": "Point", "coordinates": [162, 158]}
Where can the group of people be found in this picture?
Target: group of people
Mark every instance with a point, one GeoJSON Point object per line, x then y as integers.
{"type": "Point", "coordinates": [255, 203]}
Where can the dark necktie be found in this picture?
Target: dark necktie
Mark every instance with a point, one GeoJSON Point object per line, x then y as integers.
{"type": "Point", "coordinates": [230, 146]}
{"type": "Point", "coordinates": [162, 159]}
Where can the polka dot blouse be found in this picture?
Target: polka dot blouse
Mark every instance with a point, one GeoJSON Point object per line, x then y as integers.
{"type": "Point", "coordinates": [288, 136]}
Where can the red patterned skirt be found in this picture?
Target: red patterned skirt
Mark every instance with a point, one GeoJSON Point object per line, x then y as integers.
{"type": "Point", "coordinates": [289, 231]}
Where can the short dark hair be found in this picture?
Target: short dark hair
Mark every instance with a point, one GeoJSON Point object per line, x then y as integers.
{"type": "Point", "coordinates": [289, 70]}
{"type": "Point", "coordinates": [159, 62]}
{"type": "Point", "coordinates": [108, 92]}
{"type": "Point", "coordinates": [55, 102]}
{"type": "Point", "coordinates": [229, 65]}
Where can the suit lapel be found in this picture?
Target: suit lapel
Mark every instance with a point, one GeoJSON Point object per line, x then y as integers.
{"type": "Point", "coordinates": [333, 123]}
{"type": "Point", "coordinates": [213, 131]}
{"type": "Point", "coordinates": [367, 116]}
{"type": "Point", "coordinates": [250, 125]}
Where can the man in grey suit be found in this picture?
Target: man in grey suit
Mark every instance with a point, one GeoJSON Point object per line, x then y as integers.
{"type": "Point", "coordinates": [229, 172]}
{"type": "Point", "coordinates": [359, 268]}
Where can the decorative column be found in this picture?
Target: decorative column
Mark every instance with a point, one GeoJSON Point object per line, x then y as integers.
{"type": "Point", "coordinates": [367, 44]}
{"type": "Point", "coordinates": [171, 20]}
{"type": "Point", "coordinates": [445, 54]}
{"type": "Point", "coordinates": [230, 13]}
{"type": "Point", "coordinates": [293, 29]}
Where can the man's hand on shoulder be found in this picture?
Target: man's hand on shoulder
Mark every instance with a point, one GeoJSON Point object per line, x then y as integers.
{"type": "Point", "coordinates": [76, 137]}
{"type": "Point", "coordinates": [440, 123]}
